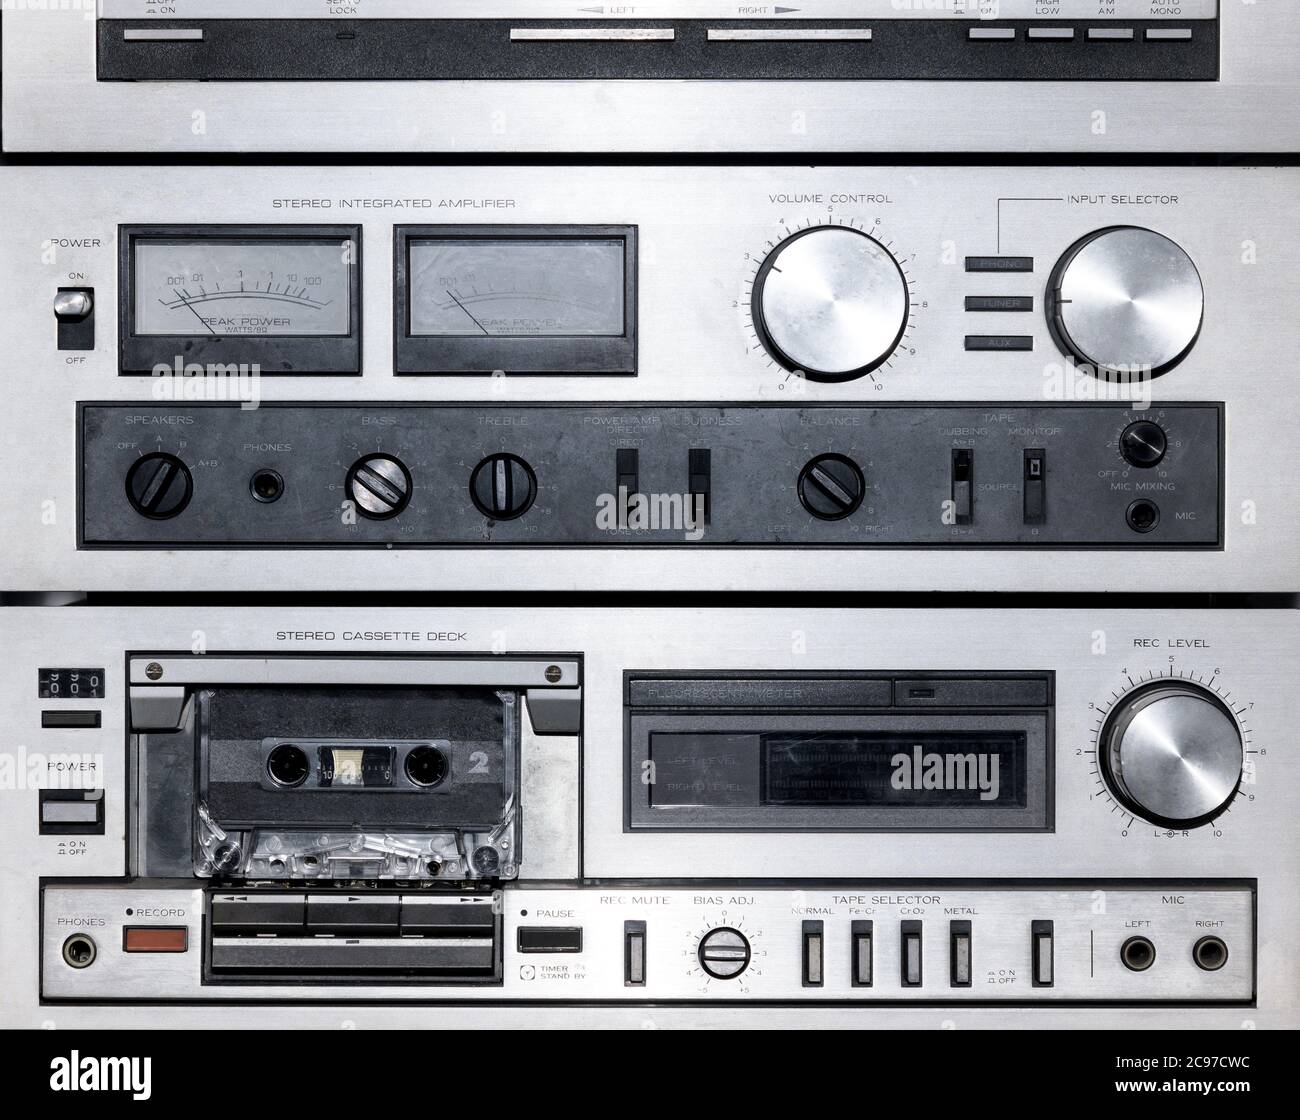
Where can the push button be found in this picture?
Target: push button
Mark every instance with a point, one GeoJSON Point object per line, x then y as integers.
{"type": "Point", "coordinates": [1168, 34]}
{"type": "Point", "coordinates": [1110, 34]}
{"type": "Point", "coordinates": [911, 954]}
{"type": "Point", "coordinates": [634, 954]}
{"type": "Point", "coordinates": [1057, 34]}
{"type": "Point", "coordinates": [814, 954]}
{"type": "Point", "coordinates": [549, 939]}
{"type": "Point", "coordinates": [860, 934]}
{"type": "Point", "coordinates": [1044, 950]}
{"type": "Point", "coordinates": [990, 34]}
{"type": "Point", "coordinates": [959, 951]}
{"type": "Point", "coordinates": [72, 812]}
{"type": "Point", "coordinates": [354, 914]}
{"type": "Point", "coordinates": [254, 914]}
{"type": "Point", "coordinates": [155, 939]}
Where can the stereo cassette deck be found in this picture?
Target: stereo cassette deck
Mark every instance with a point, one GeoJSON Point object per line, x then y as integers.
{"type": "Point", "coordinates": [660, 75]}
{"type": "Point", "coordinates": [620, 378]}
{"type": "Point", "coordinates": [420, 816]}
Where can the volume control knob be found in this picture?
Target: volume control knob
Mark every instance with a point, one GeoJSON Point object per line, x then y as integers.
{"type": "Point", "coordinates": [379, 486]}
{"type": "Point", "coordinates": [1125, 300]}
{"type": "Point", "coordinates": [159, 486]}
{"type": "Point", "coordinates": [830, 302]}
{"type": "Point", "coordinates": [724, 953]}
{"type": "Point", "coordinates": [1171, 752]}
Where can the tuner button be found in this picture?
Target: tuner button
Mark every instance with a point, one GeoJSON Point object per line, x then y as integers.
{"type": "Point", "coordinates": [379, 485]}
{"type": "Point", "coordinates": [1172, 753]}
{"type": "Point", "coordinates": [1126, 300]}
{"type": "Point", "coordinates": [1143, 443]}
{"type": "Point", "coordinates": [724, 953]}
{"type": "Point", "coordinates": [830, 302]}
{"type": "Point", "coordinates": [831, 487]}
{"type": "Point", "coordinates": [503, 487]}
{"type": "Point", "coordinates": [159, 486]}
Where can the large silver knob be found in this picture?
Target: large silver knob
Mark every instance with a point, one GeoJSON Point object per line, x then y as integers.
{"type": "Point", "coordinates": [1171, 752]}
{"type": "Point", "coordinates": [1126, 301]}
{"type": "Point", "coordinates": [830, 302]}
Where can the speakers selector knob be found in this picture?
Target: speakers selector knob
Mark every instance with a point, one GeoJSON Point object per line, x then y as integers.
{"type": "Point", "coordinates": [830, 302]}
{"type": "Point", "coordinates": [1171, 752]}
{"type": "Point", "coordinates": [503, 487]}
{"type": "Point", "coordinates": [159, 485]}
{"type": "Point", "coordinates": [1125, 301]}
{"type": "Point", "coordinates": [379, 486]}
{"type": "Point", "coordinates": [724, 953]}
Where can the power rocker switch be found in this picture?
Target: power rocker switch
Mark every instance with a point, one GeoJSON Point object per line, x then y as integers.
{"type": "Point", "coordinates": [74, 312]}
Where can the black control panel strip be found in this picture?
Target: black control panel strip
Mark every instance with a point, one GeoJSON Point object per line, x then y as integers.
{"type": "Point", "coordinates": [386, 475]}
{"type": "Point", "coordinates": [458, 50]}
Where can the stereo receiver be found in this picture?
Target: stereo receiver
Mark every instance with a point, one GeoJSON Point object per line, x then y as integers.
{"type": "Point", "coordinates": [426, 816]}
{"type": "Point", "coordinates": [659, 75]}
{"type": "Point", "coordinates": [623, 378]}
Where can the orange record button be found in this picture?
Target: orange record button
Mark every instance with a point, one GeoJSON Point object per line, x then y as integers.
{"type": "Point", "coordinates": [155, 939]}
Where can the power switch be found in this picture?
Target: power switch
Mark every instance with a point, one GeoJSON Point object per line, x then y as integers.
{"type": "Point", "coordinates": [963, 485]}
{"type": "Point", "coordinates": [1044, 944]}
{"type": "Point", "coordinates": [74, 312]}
{"type": "Point", "coordinates": [634, 954]}
{"type": "Point", "coordinates": [861, 935]}
{"type": "Point", "coordinates": [911, 954]}
{"type": "Point", "coordinates": [814, 954]}
{"type": "Point", "coordinates": [959, 952]}
{"type": "Point", "coordinates": [700, 471]}
{"type": "Point", "coordinates": [1035, 486]}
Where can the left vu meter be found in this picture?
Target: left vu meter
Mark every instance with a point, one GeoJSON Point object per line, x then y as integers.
{"type": "Point", "coordinates": [270, 298]}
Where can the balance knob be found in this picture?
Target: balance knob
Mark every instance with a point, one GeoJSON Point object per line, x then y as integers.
{"type": "Point", "coordinates": [379, 486]}
{"type": "Point", "coordinates": [503, 487]}
{"type": "Point", "coordinates": [830, 302]}
{"type": "Point", "coordinates": [1143, 443]}
{"type": "Point", "coordinates": [724, 953]}
{"type": "Point", "coordinates": [159, 486]}
{"type": "Point", "coordinates": [831, 487]}
{"type": "Point", "coordinates": [1126, 301]}
{"type": "Point", "coordinates": [1171, 752]}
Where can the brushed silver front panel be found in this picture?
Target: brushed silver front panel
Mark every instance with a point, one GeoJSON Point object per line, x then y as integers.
{"type": "Point", "coordinates": [702, 235]}
{"type": "Point", "coordinates": [53, 101]}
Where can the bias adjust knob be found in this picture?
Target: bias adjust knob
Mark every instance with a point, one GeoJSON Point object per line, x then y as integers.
{"type": "Point", "coordinates": [1143, 444]}
{"type": "Point", "coordinates": [724, 953]}
{"type": "Point", "coordinates": [1125, 301]}
{"type": "Point", "coordinates": [831, 487]}
{"type": "Point", "coordinates": [503, 487]}
{"type": "Point", "coordinates": [379, 486]}
{"type": "Point", "coordinates": [159, 486]}
{"type": "Point", "coordinates": [1171, 752]}
{"type": "Point", "coordinates": [830, 302]}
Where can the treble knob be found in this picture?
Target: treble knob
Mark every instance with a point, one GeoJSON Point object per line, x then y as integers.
{"type": "Point", "coordinates": [1171, 752]}
{"type": "Point", "coordinates": [503, 487]}
{"type": "Point", "coordinates": [1125, 301]}
{"type": "Point", "coordinates": [830, 303]}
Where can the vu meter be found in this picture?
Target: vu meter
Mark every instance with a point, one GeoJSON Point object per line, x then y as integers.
{"type": "Point", "coordinates": [283, 299]}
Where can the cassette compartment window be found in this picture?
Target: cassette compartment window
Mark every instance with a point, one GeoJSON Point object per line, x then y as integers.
{"type": "Point", "coordinates": [220, 299]}
{"type": "Point", "coordinates": [520, 299]}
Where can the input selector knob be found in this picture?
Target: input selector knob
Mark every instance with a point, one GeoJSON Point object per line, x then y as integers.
{"type": "Point", "coordinates": [724, 953]}
{"type": "Point", "coordinates": [159, 485]}
{"type": "Point", "coordinates": [502, 487]}
{"type": "Point", "coordinates": [1171, 752]}
{"type": "Point", "coordinates": [1125, 300]}
{"type": "Point", "coordinates": [1143, 444]}
{"type": "Point", "coordinates": [831, 487]}
{"type": "Point", "coordinates": [379, 486]}
{"type": "Point", "coordinates": [830, 302]}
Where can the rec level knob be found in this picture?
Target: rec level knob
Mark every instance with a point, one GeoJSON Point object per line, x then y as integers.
{"type": "Point", "coordinates": [1143, 444]}
{"type": "Point", "coordinates": [159, 485]}
{"type": "Point", "coordinates": [831, 487]}
{"type": "Point", "coordinates": [503, 487]}
{"type": "Point", "coordinates": [830, 302]}
{"type": "Point", "coordinates": [1171, 752]}
{"type": "Point", "coordinates": [724, 953]}
{"type": "Point", "coordinates": [379, 485]}
{"type": "Point", "coordinates": [1125, 301]}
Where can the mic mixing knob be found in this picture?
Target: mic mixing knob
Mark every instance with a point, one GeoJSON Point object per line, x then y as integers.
{"type": "Point", "coordinates": [831, 487]}
{"type": "Point", "coordinates": [503, 487]}
{"type": "Point", "coordinates": [724, 953]}
{"type": "Point", "coordinates": [1125, 300]}
{"type": "Point", "coordinates": [159, 486]}
{"type": "Point", "coordinates": [1171, 752]}
{"type": "Point", "coordinates": [830, 302]}
{"type": "Point", "coordinates": [1143, 443]}
{"type": "Point", "coordinates": [379, 486]}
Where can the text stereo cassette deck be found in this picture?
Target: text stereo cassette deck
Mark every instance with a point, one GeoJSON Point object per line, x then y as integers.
{"type": "Point", "coordinates": [661, 75]}
{"type": "Point", "coordinates": [537, 378]}
{"type": "Point", "coordinates": [654, 816]}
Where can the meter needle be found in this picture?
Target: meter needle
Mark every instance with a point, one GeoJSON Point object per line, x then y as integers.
{"type": "Point", "coordinates": [467, 311]}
